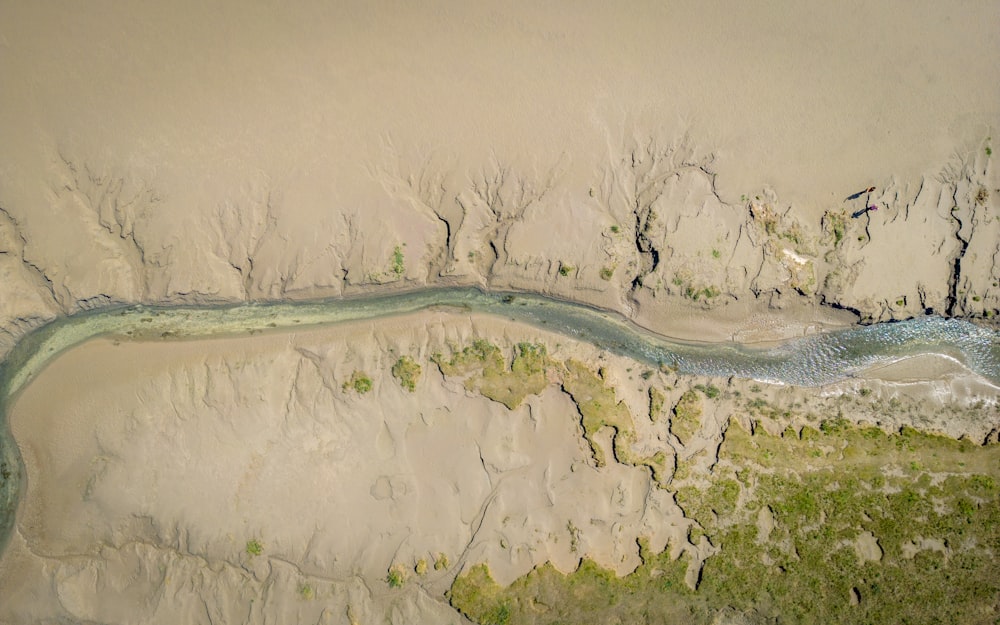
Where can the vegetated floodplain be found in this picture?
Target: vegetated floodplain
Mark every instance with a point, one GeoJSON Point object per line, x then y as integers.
{"type": "Point", "coordinates": [840, 524]}
{"type": "Point", "coordinates": [531, 370]}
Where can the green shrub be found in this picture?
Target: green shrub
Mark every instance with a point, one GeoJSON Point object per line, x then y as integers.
{"type": "Point", "coordinates": [407, 371]}
{"type": "Point", "coordinates": [360, 382]}
{"type": "Point", "coordinates": [397, 261]}
{"type": "Point", "coordinates": [254, 547]}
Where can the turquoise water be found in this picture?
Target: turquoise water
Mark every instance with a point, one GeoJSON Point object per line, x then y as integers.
{"type": "Point", "coordinates": [809, 361]}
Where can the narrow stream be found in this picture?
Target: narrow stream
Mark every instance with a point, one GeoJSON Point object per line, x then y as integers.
{"type": "Point", "coordinates": [814, 360]}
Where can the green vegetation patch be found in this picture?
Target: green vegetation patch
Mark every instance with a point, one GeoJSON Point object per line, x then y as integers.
{"type": "Point", "coordinates": [591, 594]}
{"type": "Point", "coordinates": [490, 375]}
{"type": "Point", "coordinates": [398, 267]}
{"type": "Point", "coordinates": [407, 371]}
{"type": "Point", "coordinates": [600, 408]}
{"type": "Point", "coordinates": [441, 562]}
{"type": "Point", "coordinates": [396, 576]}
{"type": "Point", "coordinates": [360, 382]}
{"type": "Point", "coordinates": [835, 225]}
{"type": "Point", "coordinates": [531, 371]}
{"type": "Point", "coordinates": [254, 547]}
{"type": "Point", "coordinates": [686, 420]}
{"type": "Point", "coordinates": [656, 401]}
{"type": "Point", "coordinates": [836, 524]}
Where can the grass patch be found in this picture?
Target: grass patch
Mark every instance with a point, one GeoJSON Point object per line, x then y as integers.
{"type": "Point", "coordinates": [591, 594]}
{"type": "Point", "coordinates": [656, 401]}
{"type": "Point", "coordinates": [396, 576]}
{"type": "Point", "coordinates": [360, 382]}
{"type": "Point", "coordinates": [441, 562]}
{"type": "Point", "coordinates": [686, 419]}
{"type": "Point", "coordinates": [489, 374]}
{"type": "Point", "coordinates": [599, 408]}
{"type": "Point", "coordinates": [254, 547]}
{"type": "Point", "coordinates": [398, 267]}
{"type": "Point", "coordinates": [711, 391]}
{"type": "Point", "coordinates": [407, 371]}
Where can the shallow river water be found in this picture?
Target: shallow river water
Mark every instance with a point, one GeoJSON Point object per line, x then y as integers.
{"type": "Point", "coordinates": [813, 360]}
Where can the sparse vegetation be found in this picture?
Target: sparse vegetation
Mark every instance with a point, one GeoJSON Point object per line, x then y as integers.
{"type": "Point", "coordinates": [407, 371]}
{"type": "Point", "coordinates": [710, 391]}
{"type": "Point", "coordinates": [307, 592]}
{"type": "Point", "coordinates": [607, 273]}
{"type": "Point", "coordinates": [254, 547]}
{"type": "Point", "coordinates": [656, 401]}
{"type": "Point", "coordinates": [616, 229]}
{"type": "Point", "coordinates": [696, 294]}
{"type": "Point", "coordinates": [982, 196]}
{"type": "Point", "coordinates": [441, 562]}
{"type": "Point", "coordinates": [686, 420]}
{"type": "Point", "coordinates": [421, 567]}
{"type": "Point", "coordinates": [398, 267]}
{"type": "Point", "coordinates": [360, 382]}
{"type": "Point", "coordinates": [565, 270]}
{"type": "Point", "coordinates": [396, 576]}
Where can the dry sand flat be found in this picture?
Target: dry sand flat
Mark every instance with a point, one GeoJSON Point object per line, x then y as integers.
{"type": "Point", "coordinates": [686, 165]}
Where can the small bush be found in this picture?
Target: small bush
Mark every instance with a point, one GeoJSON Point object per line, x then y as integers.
{"type": "Point", "coordinates": [359, 382]}
{"type": "Point", "coordinates": [396, 576]}
{"type": "Point", "coordinates": [397, 261]}
{"type": "Point", "coordinates": [254, 547]}
{"type": "Point", "coordinates": [407, 371]}
{"type": "Point", "coordinates": [711, 391]}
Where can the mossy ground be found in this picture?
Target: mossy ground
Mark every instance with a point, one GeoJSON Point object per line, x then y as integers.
{"type": "Point", "coordinates": [790, 516]}
{"type": "Point", "coordinates": [687, 417]}
{"type": "Point", "coordinates": [531, 371]}
{"type": "Point", "coordinates": [360, 382]}
{"type": "Point", "coordinates": [490, 375]}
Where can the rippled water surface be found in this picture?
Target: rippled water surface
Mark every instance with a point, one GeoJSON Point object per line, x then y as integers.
{"type": "Point", "coordinates": [809, 361]}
